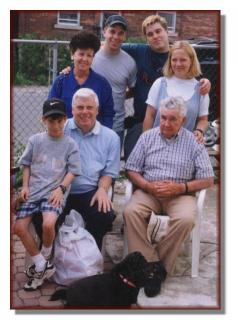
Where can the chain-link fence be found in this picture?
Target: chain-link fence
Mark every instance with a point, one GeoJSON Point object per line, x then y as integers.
{"type": "Point", "coordinates": [208, 55]}
{"type": "Point", "coordinates": [36, 63]}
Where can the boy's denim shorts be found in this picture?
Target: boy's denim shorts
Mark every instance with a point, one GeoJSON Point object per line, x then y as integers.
{"type": "Point", "coordinates": [29, 208]}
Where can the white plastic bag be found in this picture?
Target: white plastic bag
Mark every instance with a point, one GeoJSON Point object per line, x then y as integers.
{"type": "Point", "coordinates": [76, 253]}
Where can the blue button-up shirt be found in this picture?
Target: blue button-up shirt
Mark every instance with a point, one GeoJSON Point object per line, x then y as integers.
{"type": "Point", "coordinates": [99, 155]}
{"type": "Point", "coordinates": [65, 85]}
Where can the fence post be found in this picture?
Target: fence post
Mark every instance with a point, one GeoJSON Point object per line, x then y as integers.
{"type": "Point", "coordinates": [55, 60]}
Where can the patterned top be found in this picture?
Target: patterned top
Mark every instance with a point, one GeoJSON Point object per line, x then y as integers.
{"type": "Point", "coordinates": [178, 159]}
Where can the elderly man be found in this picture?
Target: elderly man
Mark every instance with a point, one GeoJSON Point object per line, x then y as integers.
{"type": "Point", "coordinates": [100, 160]}
{"type": "Point", "coordinates": [167, 166]}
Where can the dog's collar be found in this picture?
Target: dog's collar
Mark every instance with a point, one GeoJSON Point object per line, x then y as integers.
{"type": "Point", "coordinates": [126, 281]}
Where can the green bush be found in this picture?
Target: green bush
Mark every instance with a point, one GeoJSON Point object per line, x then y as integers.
{"type": "Point", "coordinates": [32, 62]}
{"type": "Point", "coordinates": [136, 40]}
{"type": "Point", "coordinates": [18, 180]}
{"type": "Point", "coordinates": [21, 79]}
{"type": "Point", "coordinates": [18, 151]}
{"type": "Point", "coordinates": [63, 57]}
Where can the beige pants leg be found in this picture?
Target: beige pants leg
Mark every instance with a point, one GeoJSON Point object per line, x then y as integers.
{"type": "Point", "coordinates": [182, 211]}
{"type": "Point", "coordinates": [136, 214]}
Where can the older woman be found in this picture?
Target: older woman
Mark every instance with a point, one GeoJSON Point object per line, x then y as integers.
{"type": "Point", "coordinates": [180, 71]}
{"type": "Point", "coordinates": [83, 47]}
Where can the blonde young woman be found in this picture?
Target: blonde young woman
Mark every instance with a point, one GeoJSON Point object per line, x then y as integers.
{"type": "Point", "coordinates": [180, 72]}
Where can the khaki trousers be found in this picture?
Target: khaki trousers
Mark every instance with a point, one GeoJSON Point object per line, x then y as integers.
{"type": "Point", "coordinates": [182, 211]}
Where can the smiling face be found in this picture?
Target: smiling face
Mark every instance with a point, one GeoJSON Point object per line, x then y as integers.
{"type": "Point", "coordinates": [114, 37]}
{"type": "Point", "coordinates": [85, 112]}
{"type": "Point", "coordinates": [157, 37]}
{"type": "Point", "coordinates": [180, 63]}
{"type": "Point", "coordinates": [170, 122]}
{"type": "Point", "coordinates": [83, 59]}
{"type": "Point", "coordinates": [54, 126]}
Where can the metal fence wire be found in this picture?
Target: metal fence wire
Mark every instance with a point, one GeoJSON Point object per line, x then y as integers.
{"type": "Point", "coordinates": [37, 63]}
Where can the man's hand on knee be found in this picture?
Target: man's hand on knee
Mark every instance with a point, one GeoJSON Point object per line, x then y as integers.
{"type": "Point", "coordinates": [101, 197]}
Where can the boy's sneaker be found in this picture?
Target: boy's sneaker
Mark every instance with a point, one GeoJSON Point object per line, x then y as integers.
{"type": "Point", "coordinates": [33, 284]}
{"type": "Point", "coordinates": [37, 278]}
{"type": "Point", "coordinates": [31, 271]}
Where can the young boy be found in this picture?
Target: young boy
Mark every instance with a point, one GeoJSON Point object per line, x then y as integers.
{"type": "Point", "coordinates": [50, 163]}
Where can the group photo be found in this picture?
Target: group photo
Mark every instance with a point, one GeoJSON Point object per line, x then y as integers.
{"type": "Point", "coordinates": [115, 161]}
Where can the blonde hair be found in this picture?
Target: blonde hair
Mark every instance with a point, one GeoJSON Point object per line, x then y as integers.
{"type": "Point", "coordinates": [195, 69]}
{"type": "Point", "coordinates": [150, 20]}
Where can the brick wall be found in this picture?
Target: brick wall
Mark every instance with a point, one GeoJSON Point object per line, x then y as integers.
{"type": "Point", "coordinates": [188, 24]}
{"type": "Point", "coordinates": [194, 25]}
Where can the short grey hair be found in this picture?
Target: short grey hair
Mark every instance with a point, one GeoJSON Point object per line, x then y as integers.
{"type": "Point", "coordinates": [85, 93]}
{"type": "Point", "coordinates": [175, 103]}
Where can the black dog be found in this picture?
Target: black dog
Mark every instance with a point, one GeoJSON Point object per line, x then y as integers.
{"type": "Point", "coordinates": [118, 288]}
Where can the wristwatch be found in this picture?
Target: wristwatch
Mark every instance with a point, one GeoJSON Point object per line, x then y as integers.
{"type": "Point", "coordinates": [63, 188]}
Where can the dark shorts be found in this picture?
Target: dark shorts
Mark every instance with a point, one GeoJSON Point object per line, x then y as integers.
{"type": "Point", "coordinates": [29, 208]}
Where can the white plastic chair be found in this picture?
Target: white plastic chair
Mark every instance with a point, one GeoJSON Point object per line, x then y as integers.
{"type": "Point", "coordinates": [195, 234]}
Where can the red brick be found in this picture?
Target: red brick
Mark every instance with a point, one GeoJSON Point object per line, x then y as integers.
{"type": "Point", "coordinates": [44, 302]}
{"type": "Point", "coordinates": [28, 295]}
{"type": "Point", "coordinates": [188, 24]}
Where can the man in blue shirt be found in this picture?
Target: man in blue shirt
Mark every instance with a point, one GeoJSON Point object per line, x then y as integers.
{"type": "Point", "coordinates": [100, 160]}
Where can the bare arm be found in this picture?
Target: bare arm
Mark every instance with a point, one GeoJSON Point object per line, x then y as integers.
{"type": "Point", "coordinates": [66, 70]}
{"type": "Point", "coordinates": [149, 118]}
{"type": "Point", "coordinates": [199, 184]}
{"type": "Point", "coordinates": [202, 123]}
{"type": "Point", "coordinates": [25, 183]}
{"type": "Point", "coordinates": [68, 179]}
{"type": "Point", "coordinates": [101, 196]}
{"type": "Point", "coordinates": [205, 86]}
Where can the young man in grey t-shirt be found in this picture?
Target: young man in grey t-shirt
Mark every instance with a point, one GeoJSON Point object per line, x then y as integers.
{"type": "Point", "coordinates": [50, 163]}
{"type": "Point", "coordinates": [117, 67]}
